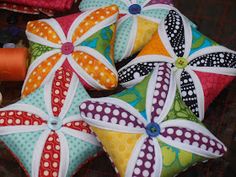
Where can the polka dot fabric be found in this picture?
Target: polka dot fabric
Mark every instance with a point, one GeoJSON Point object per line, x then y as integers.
{"type": "Point", "coordinates": [79, 125]}
{"type": "Point", "coordinates": [48, 120]}
{"type": "Point", "coordinates": [143, 166]}
{"type": "Point", "coordinates": [92, 20]}
{"type": "Point", "coordinates": [91, 65]}
{"type": "Point", "coordinates": [82, 40]}
{"type": "Point", "coordinates": [51, 160]}
{"type": "Point", "coordinates": [15, 118]}
{"type": "Point", "coordinates": [166, 123]}
{"type": "Point", "coordinates": [43, 30]}
{"type": "Point", "coordinates": [138, 20]}
{"type": "Point", "coordinates": [194, 61]}
{"type": "Point", "coordinates": [175, 32]}
{"type": "Point", "coordinates": [39, 74]}
{"type": "Point", "coordinates": [61, 83]}
{"type": "Point", "coordinates": [188, 92]}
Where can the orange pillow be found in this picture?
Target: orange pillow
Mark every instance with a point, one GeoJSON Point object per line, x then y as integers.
{"type": "Point", "coordinates": [85, 40]}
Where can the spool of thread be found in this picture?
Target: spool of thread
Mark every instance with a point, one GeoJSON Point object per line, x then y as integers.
{"type": "Point", "coordinates": [0, 98]}
{"type": "Point", "coordinates": [13, 64]}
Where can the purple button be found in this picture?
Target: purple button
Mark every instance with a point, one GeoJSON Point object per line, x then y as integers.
{"type": "Point", "coordinates": [67, 48]}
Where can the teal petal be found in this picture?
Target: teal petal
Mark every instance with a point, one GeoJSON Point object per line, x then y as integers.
{"type": "Point", "coordinates": [91, 4]}
{"type": "Point", "coordinates": [122, 38]}
{"type": "Point", "coordinates": [155, 13]}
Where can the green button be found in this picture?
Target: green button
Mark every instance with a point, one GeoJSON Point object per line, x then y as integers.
{"type": "Point", "coordinates": [181, 63]}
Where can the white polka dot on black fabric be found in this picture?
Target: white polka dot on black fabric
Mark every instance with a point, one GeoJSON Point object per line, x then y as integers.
{"type": "Point", "coordinates": [175, 32]}
{"type": "Point", "coordinates": [218, 59]}
{"type": "Point", "coordinates": [136, 71]}
{"type": "Point", "coordinates": [188, 92]}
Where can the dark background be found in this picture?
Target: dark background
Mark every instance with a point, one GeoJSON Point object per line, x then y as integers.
{"type": "Point", "coordinates": [216, 19]}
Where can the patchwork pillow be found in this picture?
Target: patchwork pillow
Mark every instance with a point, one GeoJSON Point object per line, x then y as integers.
{"type": "Point", "coordinates": [84, 40]}
{"type": "Point", "coordinates": [202, 67]}
{"type": "Point", "coordinates": [138, 20]}
{"type": "Point", "coordinates": [45, 132]}
{"type": "Point", "coordinates": [148, 130]}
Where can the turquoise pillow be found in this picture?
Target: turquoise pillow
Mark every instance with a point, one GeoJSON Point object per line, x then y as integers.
{"type": "Point", "coordinates": [44, 130]}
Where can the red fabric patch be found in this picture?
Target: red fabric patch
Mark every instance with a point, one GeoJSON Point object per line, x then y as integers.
{"type": "Point", "coordinates": [16, 118]}
{"type": "Point", "coordinates": [79, 126]}
{"type": "Point", "coordinates": [60, 86]}
{"type": "Point", "coordinates": [50, 159]}
{"type": "Point", "coordinates": [212, 85]}
{"type": "Point", "coordinates": [66, 22]}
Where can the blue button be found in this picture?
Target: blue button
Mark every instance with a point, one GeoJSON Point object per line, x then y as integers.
{"type": "Point", "coordinates": [153, 129]}
{"type": "Point", "coordinates": [135, 9]}
{"type": "Point", "coordinates": [54, 123]}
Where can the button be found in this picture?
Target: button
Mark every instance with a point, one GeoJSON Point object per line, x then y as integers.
{"type": "Point", "coordinates": [153, 129]}
{"type": "Point", "coordinates": [67, 48]}
{"type": "Point", "coordinates": [181, 63]}
{"type": "Point", "coordinates": [135, 9]}
{"type": "Point", "coordinates": [54, 123]}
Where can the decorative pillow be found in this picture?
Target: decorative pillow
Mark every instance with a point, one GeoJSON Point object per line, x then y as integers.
{"type": "Point", "coordinates": [202, 68]}
{"type": "Point", "coordinates": [137, 23]}
{"type": "Point", "coordinates": [148, 130]}
{"type": "Point", "coordinates": [84, 40]}
{"type": "Point", "coordinates": [45, 132]}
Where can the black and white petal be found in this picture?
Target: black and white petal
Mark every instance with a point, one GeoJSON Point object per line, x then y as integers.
{"type": "Point", "coordinates": [188, 92]}
{"type": "Point", "coordinates": [176, 33]}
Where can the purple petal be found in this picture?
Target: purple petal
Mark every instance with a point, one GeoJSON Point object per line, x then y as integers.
{"type": "Point", "coordinates": [145, 163]}
{"type": "Point", "coordinates": [109, 113]}
{"type": "Point", "coordinates": [190, 139]}
{"type": "Point", "coordinates": [161, 90]}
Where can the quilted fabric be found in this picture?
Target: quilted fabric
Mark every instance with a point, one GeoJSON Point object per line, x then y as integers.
{"type": "Point", "coordinates": [58, 5]}
{"type": "Point", "coordinates": [148, 130]}
{"type": "Point", "coordinates": [138, 20]}
{"type": "Point", "coordinates": [202, 67]}
{"type": "Point", "coordinates": [44, 130]}
{"type": "Point", "coordinates": [84, 40]}
{"type": "Point", "coordinates": [24, 9]}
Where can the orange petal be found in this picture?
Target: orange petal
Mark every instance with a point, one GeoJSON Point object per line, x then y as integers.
{"type": "Point", "coordinates": [93, 19]}
{"type": "Point", "coordinates": [43, 30]}
{"type": "Point", "coordinates": [39, 74]}
{"type": "Point", "coordinates": [97, 70]}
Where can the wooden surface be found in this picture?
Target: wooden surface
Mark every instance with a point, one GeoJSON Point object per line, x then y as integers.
{"type": "Point", "coordinates": [216, 19]}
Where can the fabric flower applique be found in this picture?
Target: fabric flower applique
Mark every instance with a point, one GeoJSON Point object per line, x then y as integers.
{"type": "Point", "coordinates": [138, 20]}
{"type": "Point", "coordinates": [202, 67]}
{"type": "Point", "coordinates": [148, 130]}
{"type": "Point", "coordinates": [85, 40]}
{"type": "Point", "coordinates": [44, 130]}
